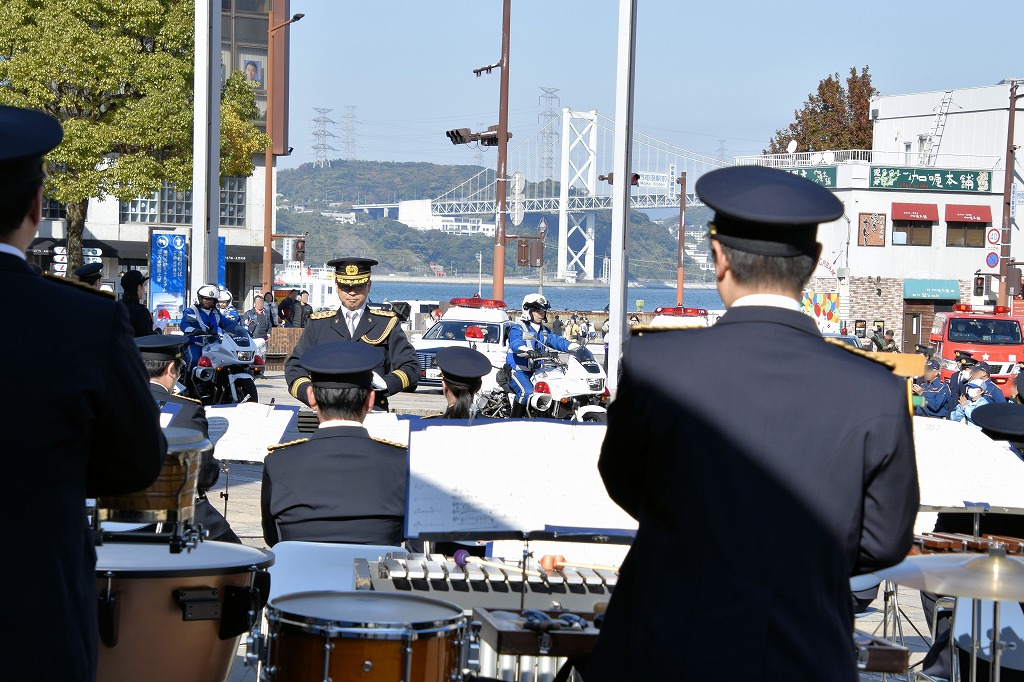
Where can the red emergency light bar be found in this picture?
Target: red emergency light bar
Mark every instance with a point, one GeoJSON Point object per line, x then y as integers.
{"type": "Point", "coordinates": [681, 312]}
{"type": "Point", "coordinates": [965, 308]}
{"type": "Point", "coordinates": [478, 303]}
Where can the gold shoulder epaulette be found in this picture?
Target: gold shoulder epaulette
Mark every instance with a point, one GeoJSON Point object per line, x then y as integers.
{"type": "Point", "coordinates": [874, 357]}
{"type": "Point", "coordinates": [185, 397]}
{"type": "Point", "coordinates": [390, 442]}
{"type": "Point", "coordinates": [382, 313]}
{"type": "Point", "coordinates": [271, 448]}
{"type": "Point", "coordinates": [81, 286]}
{"type": "Point", "coordinates": [323, 315]}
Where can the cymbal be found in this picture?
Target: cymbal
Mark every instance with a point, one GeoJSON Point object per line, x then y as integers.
{"type": "Point", "coordinates": [993, 576]}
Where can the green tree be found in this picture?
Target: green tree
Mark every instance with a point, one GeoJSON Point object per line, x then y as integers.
{"type": "Point", "coordinates": [117, 74]}
{"type": "Point", "coordinates": [835, 117]}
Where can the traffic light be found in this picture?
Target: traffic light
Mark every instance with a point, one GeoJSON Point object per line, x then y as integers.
{"type": "Point", "coordinates": [300, 250]}
{"type": "Point", "coordinates": [1013, 281]}
{"type": "Point", "coordinates": [634, 178]}
{"type": "Point", "coordinates": [979, 285]}
{"type": "Point", "coordinates": [460, 135]}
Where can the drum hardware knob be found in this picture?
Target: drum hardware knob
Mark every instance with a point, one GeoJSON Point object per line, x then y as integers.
{"type": "Point", "coordinates": [367, 666]}
{"type": "Point", "coordinates": [254, 648]}
{"type": "Point", "coordinates": [544, 645]}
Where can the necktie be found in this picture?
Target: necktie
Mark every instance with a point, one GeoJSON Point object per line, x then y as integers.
{"type": "Point", "coordinates": [353, 321]}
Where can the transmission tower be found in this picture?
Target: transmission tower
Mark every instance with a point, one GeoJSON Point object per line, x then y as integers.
{"type": "Point", "coordinates": [348, 130]}
{"type": "Point", "coordinates": [321, 133]}
{"type": "Point", "coordinates": [550, 136]}
{"type": "Point", "coordinates": [722, 152]}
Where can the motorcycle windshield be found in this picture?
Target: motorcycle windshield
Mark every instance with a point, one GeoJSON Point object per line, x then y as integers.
{"type": "Point", "coordinates": [587, 359]}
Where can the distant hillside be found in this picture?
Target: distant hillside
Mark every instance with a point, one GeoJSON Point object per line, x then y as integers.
{"type": "Point", "coordinates": [403, 250]}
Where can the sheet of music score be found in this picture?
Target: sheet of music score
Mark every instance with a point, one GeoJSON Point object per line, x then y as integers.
{"type": "Point", "coordinates": [515, 476]}
{"type": "Point", "coordinates": [957, 463]}
{"type": "Point", "coordinates": [241, 433]}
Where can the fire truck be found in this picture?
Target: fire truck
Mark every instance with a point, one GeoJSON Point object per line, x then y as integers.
{"type": "Point", "coordinates": [988, 333]}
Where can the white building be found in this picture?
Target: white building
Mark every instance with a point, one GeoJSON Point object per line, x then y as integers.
{"type": "Point", "coordinates": [417, 214]}
{"type": "Point", "coordinates": [924, 209]}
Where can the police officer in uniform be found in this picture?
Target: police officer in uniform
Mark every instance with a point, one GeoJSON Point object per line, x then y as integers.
{"type": "Point", "coordinates": [90, 274]}
{"type": "Point", "coordinates": [399, 367]}
{"type": "Point", "coordinates": [74, 429]}
{"type": "Point", "coordinates": [693, 466]}
{"type": "Point", "coordinates": [462, 373]}
{"type": "Point", "coordinates": [958, 381]}
{"type": "Point", "coordinates": [340, 485]}
{"type": "Point", "coordinates": [934, 391]}
{"type": "Point", "coordinates": [164, 359]}
{"type": "Point", "coordinates": [982, 371]}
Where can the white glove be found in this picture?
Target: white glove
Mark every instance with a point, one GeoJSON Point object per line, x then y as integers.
{"type": "Point", "coordinates": [573, 346]}
{"type": "Point", "coordinates": [378, 383]}
{"type": "Point", "coordinates": [162, 323]}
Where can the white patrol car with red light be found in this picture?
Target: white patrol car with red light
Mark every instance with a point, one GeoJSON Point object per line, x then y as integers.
{"type": "Point", "coordinates": [680, 318]}
{"type": "Point", "coordinates": [479, 323]}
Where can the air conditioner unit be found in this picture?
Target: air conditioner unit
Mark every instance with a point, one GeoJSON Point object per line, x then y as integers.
{"type": "Point", "coordinates": [874, 114]}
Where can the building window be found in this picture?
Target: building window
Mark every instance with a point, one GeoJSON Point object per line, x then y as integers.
{"type": "Point", "coordinates": [173, 207]}
{"type": "Point", "coordinates": [965, 234]}
{"type": "Point", "coordinates": [53, 210]}
{"type": "Point", "coordinates": [912, 232]}
{"type": "Point", "coordinates": [141, 210]}
{"type": "Point", "coordinates": [232, 202]}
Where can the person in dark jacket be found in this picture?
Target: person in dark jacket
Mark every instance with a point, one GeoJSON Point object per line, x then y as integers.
{"type": "Point", "coordinates": [163, 356]}
{"type": "Point", "coordinates": [302, 310]}
{"type": "Point", "coordinates": [133, 291]}
{"type": "Point", "coordinates": [982, 371]}
{"type": "Point", "coordinates": [680, 455]}
{"type": "Point", "coordinates": [935, 392]}
{"type": "Point", "coordinates": [80, 423]}
{"type": "Point", "coordinates": [462, 373]}
{"type": "Point", "coordinates": [340, 485]}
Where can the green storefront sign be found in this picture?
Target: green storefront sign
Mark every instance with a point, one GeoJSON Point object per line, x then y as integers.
{"type": "Point", "coordinates": [930, 179]}
{"type": "Point", "coordinates": [823, 175]}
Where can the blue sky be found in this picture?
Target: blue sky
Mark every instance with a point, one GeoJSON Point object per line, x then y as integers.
{"type": "Point", "coordinates": [732, 70]}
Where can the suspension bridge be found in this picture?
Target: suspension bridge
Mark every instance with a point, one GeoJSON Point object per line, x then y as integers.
{"type": "Point", "coordinates": [579, 146]}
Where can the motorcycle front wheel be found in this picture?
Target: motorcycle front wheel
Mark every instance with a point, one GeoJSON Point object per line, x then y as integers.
{"type": "Point", "coordinates": [247, 392]}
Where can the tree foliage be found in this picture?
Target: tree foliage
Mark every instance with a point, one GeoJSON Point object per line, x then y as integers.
{"type": "Point", "coordinates": [835, 117]}
{"type": "Point", "coordinates": [117, 74]}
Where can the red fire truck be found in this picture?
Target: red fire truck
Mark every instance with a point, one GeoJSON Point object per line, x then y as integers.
{"type": "Point", "coordinates": [988, 333]}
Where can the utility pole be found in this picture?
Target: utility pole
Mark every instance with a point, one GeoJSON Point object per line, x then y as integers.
{"type": "Point", "coordinates": [1008, 164]}
{"type": "Point", "coordinates": [680, 265]}
{"type": "Point", "coordinates": [501, 179]}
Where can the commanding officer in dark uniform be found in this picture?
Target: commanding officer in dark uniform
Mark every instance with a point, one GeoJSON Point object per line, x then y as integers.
{"type": "Point", "coordinates": [353, 320]}
{"type": "Point", "coordinates": [74, 429]}
{"type": "Point", "coordinates": [340, 485]}
{"type": "Point", "coordinates": [164, 359]}
{"type": "Point", "coordinates": [90, 274]}
{"type": "Point", "coordinates": [817, 493]}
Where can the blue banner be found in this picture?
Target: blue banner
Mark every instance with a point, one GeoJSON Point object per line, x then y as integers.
{"type": "Point", "coordinates": [168, 265]}
{"type": "Point", "coordinates": [221, 260]}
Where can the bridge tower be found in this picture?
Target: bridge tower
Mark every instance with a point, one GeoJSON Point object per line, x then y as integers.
{"type": "Point", "coordinates": [579, 175]}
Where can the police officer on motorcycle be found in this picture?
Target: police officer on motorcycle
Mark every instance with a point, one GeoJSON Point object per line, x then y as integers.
{"type": "Point", "coordinates": [201, 321]}
{"type": "Point", "coordinates": [527, 342]}
{"type": "Point", "coordinates": [226, 306]}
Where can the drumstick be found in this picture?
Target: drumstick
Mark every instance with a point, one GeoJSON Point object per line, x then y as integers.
{"type": "Point", "coordinates": [549, 562]}
{"type": "Point", "coordinates": [462, 557]}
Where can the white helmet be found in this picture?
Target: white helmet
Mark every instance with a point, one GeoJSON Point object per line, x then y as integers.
{"type": "Point", "coordinates": [208, 291]}
{"type": "Point", "coordinates": [225, 296]}
{"type": "Point", "coordinates": [535, 302]}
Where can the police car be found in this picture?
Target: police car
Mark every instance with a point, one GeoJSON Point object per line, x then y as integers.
{"type": "Point", "coordinates": [680, 318]}
{"type": "Point", "coordinates": [479, 323]}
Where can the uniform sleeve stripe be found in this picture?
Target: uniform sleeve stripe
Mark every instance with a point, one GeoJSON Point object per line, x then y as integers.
{"type": "Point", "coordinates": [403, 377]}
{"type": "Point", "coordinates": [296, 385]}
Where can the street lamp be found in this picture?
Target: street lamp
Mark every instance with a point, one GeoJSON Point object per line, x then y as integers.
{"type": "Point", "coordinates": [268, 191]}
{"type": "Point", "coordinates": [479, 272]}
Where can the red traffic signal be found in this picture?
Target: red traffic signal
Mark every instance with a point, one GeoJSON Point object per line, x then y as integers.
{"type": "Point", "coordinates": [979, 285]}
{"type": "Point", "coordinates": [300, 250]}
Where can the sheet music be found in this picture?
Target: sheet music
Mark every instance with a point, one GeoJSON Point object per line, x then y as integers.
{"type": "Point", "coordinates": [521, 476]}
{"type": "Point", "coordinates": [388, 426]}
{"type": "Point", "coordinates": [956, 462]}
{"type": "Point", "coordinates": [242, 432]}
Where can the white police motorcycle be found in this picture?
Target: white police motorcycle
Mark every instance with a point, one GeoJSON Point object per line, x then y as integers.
{"type": "Point", "coordinates": [567, 385]}
{"type": "Point", "coordinates": [225, 372]}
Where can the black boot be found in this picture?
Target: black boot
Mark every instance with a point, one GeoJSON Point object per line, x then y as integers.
{"type": "Point", "coordinates": [518, 410]}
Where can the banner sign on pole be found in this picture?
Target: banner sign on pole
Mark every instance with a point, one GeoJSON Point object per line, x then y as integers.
{"type": "Point", "coordinates": [168, 265]}
{"type": "Point", "coordinates": [221, 259]}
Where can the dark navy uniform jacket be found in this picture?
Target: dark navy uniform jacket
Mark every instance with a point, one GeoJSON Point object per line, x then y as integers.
{"type": "Point", "coordinates": [192, 415]}
{"type": "Point", "coordinates": [993, 392]}
{"type": "Point", "coordinates": [340, 485]}
{"type": "Point", "coordinates": [938, 400]}
{"type": "Point", "coordinates": [140, 318]}
{"type": "Point", "coordinates": [760, 507]}
{"type": "Point", "coordinates": [79, 422]}
{"type": "Point", "coordinates": [401, 369]}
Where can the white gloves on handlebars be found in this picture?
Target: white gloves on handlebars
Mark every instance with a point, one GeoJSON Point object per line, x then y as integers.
{"type": "Point", "coordinates": [573, 346]}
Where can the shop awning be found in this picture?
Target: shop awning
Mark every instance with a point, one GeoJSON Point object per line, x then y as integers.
{"type": "Point", "coordinates": [931, 289]}
{"type": "Point", "coordinates": [965, 213]}
{"type": "Point", "coordinates": [124, 250]}
{"type": "Point", "coordinates": [925, 212]}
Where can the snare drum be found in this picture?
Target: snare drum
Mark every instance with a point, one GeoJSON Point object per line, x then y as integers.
{"type": "Point", "coordinates": [363, 636]}
{"type": "Point", "coordinates": [172, 496]}
{"type": "Point", "coordinates": [175, 617]}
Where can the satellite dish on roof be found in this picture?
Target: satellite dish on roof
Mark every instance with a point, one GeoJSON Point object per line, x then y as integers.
{"type": "Point", "coordinates": [816, 158]}
{"type": "Point", "coordinates": [829, 157]}
{"type": "Point", "coordinates": [791, 147]}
